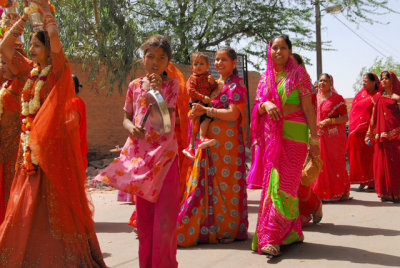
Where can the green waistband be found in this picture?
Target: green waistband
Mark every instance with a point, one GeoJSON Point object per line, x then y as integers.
{"type": "Point", "coordinates": [295, 131]}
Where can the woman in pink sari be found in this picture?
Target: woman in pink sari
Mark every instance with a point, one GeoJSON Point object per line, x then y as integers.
{"type": "Point", "coordinates": [384, 133]}
{"type": "Point", "coordinates": [333, 181]}
{"type": "Point", "coordinates": [360, 154]}
{"type": "Point", "coordinates": [281, 119]}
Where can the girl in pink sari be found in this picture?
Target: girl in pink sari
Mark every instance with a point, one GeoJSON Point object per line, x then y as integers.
{"type": "Point", "coordinates": [333, 181]}
{"type": "Point", "coordinates": [281, 119]}
{"type": "Point", "coordinates": [384, 133]}
{"type": "Point", "coordinates": [148, 164]}
{"type": "Point", "coordinates": [360, 154]}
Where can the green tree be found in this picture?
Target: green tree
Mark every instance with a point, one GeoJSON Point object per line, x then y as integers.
{"type": "Point", "coordinates": [108, 33]}
{"type": "Point", "coordinates": [102, 33]}
{"type": "Point", "coordinates": [379, 65]}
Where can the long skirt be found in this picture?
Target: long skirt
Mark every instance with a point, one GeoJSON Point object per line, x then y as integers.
{"type": "Point", "coordinates": [27, 238]}
{"type": "Point", "coordinates": [387, 169]}
{"type": "Point", "coordinates": [333, 180]}
{"type": "Point", "coordinates": [360, 159]}
{"type": "Point", "coordinates": [278, 216]}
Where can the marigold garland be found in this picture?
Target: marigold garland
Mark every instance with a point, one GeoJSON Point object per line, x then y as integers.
{"type": "Point", "coordinates": [3, 89]}
{"type": "Point", "coordinates": [30, 100]}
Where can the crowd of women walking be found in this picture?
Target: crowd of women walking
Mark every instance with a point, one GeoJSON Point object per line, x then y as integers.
{"type": "Point", "coordinates": [184, 198]}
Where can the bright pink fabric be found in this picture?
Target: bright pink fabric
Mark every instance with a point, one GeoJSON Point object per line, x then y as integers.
{"type": "Point", "coordinates": [143, 164]}
{"type": "Point", "coordinates": [333, 180]}
{"type": "Point", "coordinates": [156, 224]}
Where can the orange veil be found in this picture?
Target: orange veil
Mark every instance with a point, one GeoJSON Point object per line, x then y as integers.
{"type": "Point", "coordinates": [181, 129]}
{"type": "Point", "coordinates": [55, 142]}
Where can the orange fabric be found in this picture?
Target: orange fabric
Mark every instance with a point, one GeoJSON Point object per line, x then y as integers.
{"type": "Point", "coordinates": [181, 128]}
{"type": "Point", "coordinates": [81, 108]}
{"type": "Point", "coordinates": [10, 129]}
{"type": "Point", "coordinates": [48, 221]}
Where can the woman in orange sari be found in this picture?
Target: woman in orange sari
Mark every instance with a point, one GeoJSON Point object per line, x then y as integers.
{"type": "Point", "coordinates": [214, 207]}
{"type": "Point", "coordinates": [10, 123]}
{"type": "Point", "coordinates": [48, 222]}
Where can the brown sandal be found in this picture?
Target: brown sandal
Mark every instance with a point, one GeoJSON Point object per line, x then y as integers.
{"type": "Point", "coordinates": [271, 250]}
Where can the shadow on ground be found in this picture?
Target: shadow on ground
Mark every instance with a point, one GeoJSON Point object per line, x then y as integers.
{"type": "Point", "coordinates": [365, 203]}
{"type": "Point", "coordinates": [313, 251]}
{"type": "Point", "coordinates": [336, 229]}
{"type": "Point", "coordinates": [112, 227]}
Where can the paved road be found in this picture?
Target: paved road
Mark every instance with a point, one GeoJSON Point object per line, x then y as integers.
{"type": "Point", "coordinates": [363, 232]}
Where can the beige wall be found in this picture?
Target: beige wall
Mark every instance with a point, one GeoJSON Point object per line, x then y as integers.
{"type": "Point", "coordinates": [105, 114]}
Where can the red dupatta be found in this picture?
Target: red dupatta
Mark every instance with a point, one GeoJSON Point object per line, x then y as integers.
{"type": "Point", "coordinates": [361, 109]}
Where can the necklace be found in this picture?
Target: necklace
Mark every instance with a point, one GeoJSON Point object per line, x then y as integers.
{"type": "Point", "coordinates": [30, 100]}
{"type": "Point", "coordinates": [3, 89]}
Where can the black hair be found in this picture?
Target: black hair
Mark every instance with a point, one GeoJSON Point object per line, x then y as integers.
{"type": "Point", "coordinates": [231, 54]}
{"type": "Point", "coordinates": [371, 77]}
{"type": "Point", "coordinates": [158, 41]}
{"type": "Point", "coordinates": [284, 37]}
{"type": "Point", "coordinates": [77, 84]}
{"type": "Point", "coordinates": [385, 73]}
{"type": "Point", "coordinates": [327, 75]}
{"type": "Point", "coordinates": [199, 55]}
{"type": "Point", "coordinates": [43, 37]}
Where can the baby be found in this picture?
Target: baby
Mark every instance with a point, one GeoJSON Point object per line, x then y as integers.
{"type": "Point", "coordinates": [200, 85]}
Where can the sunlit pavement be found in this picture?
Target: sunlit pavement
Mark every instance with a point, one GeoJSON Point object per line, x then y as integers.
{"type": "Point", "coordinates": [363, 232]}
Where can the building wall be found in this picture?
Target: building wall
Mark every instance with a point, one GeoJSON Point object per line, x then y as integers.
{"type": "Point", "coordinates": [105, 111]}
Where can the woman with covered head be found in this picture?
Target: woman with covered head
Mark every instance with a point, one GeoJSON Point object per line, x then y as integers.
{"type": "Point", "coordinates": [333, 181]}
{"type": "Point", "coordinates": [360, 154]}
{"type": "Point", "coordinates": [14, 70]}
{"type": "Point", "coordinates": [384, 134]}
{"type": "Point", "coordinates": [214, 206]}
{"type": "Point", "coordinates": [48, 222]}
{"type": "Point", "coordinates": [282, 119]}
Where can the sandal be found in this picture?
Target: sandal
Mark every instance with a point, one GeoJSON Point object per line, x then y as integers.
{"type": "Point", "coordinates": [370, 189]}
{"type": "Point", "coordinates": [271, 250]}
{"type": "Point", "coordinates": [346, 197]}
{"type": "Point", "coordinates": [361, 187]}
{"type": "Point", "coordinates": [317, 217]}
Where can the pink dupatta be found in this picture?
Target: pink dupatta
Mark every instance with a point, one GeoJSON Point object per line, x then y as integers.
{"type": "Point", "coordinates": [265, 132]}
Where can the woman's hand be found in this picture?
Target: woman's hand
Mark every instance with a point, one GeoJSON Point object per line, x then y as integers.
{"type": "Point", "coordinates": [272, 110]}
{"type": "Point", "coordinates": [198, 109]}
{"type": "Point", "coordinates": [137, 132]}
{"type": "Point", "coordinates": [324, 123]}
{"type": "Point", "coordinates": [43, 6]}
{"type": "Point", "coordinates": [155, 81]}
{"type": "Point", "coordinates": [314, 151]}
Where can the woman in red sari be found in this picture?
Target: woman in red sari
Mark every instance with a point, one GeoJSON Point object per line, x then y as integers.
{"type": "Point", "coordinates": [333, 181]}
{"type": "Point", "coordinates": [48, 222]}
{"type": "Point", "coordinates": [360, 154]}
{"type": "Point", "coordinates": [384, 133]}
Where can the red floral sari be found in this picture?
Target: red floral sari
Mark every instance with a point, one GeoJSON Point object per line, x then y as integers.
{"type": "Point", "coordinates": [360, 155]}
{"type": "Point", "coordinates": [385, 134]}
{"type": "Point", "coordinates": [333, 180]}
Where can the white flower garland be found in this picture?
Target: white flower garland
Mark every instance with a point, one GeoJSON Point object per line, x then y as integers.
{"type": "Point", "coordinates": [2, 91]}
{"type": "Point", "coordinates": [29, 109]}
